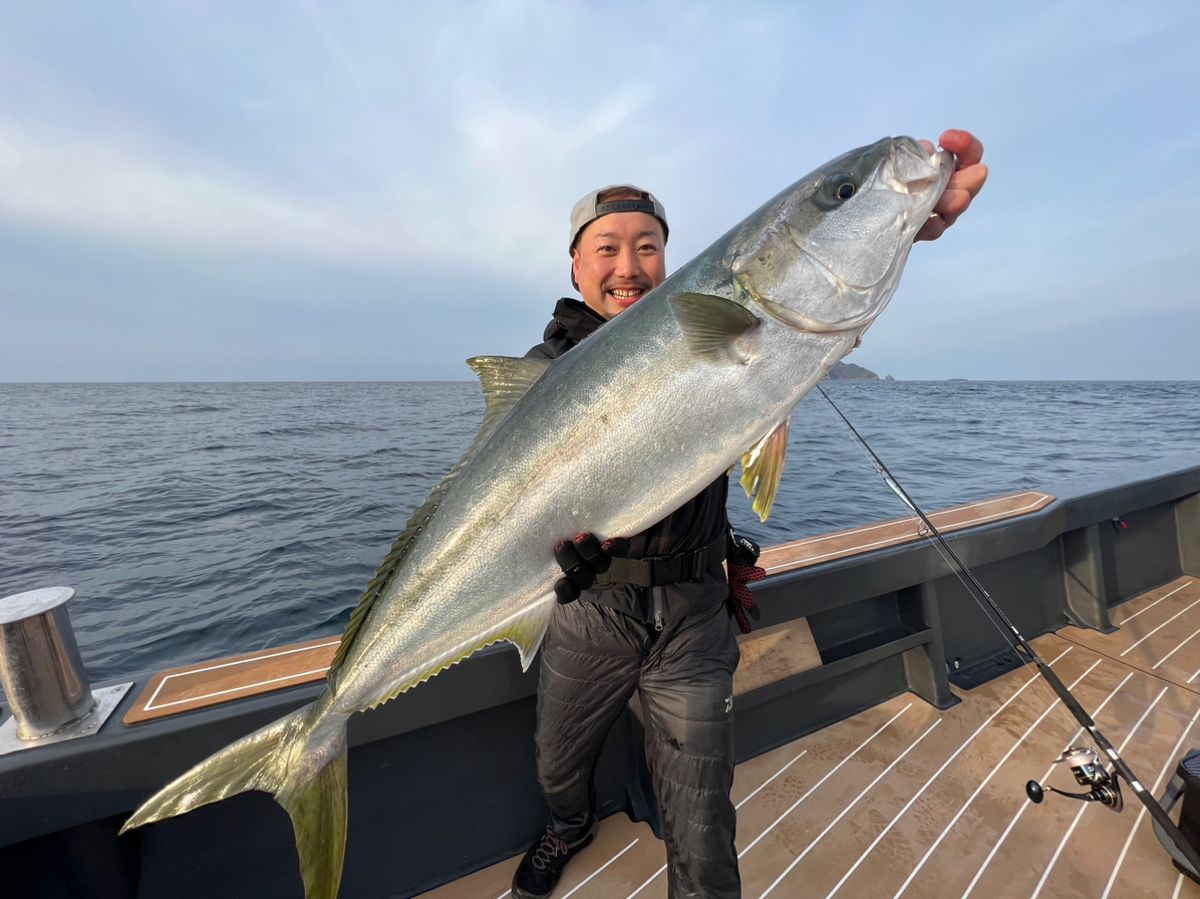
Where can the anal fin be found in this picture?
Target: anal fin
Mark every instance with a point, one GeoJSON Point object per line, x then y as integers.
{"type": "Point", "coordinates": [762, 468]}
{"type": "Point", "coordinates": [524, 629]}
{"type": "Point", "coordinates": [527, 631]}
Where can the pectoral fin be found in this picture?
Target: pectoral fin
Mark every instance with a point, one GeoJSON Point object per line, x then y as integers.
{"type": "Point", "coordinates": [711, 325]}
{"type": "Point", "coordinates": [762, 467]}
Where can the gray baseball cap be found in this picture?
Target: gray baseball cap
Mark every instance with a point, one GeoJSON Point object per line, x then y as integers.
{"type": "Point", "coordinates": [589, 208]}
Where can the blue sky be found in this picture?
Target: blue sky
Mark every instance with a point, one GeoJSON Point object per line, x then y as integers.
{"type": "Point", "coordinates": [321, 191]}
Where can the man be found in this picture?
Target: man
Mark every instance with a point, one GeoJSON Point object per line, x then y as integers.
{"type": "Point", "coordinates": [660, 627]}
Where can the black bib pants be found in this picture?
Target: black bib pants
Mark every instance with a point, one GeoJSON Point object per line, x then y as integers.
{"type": "Point", "coordinates": [593, 658]}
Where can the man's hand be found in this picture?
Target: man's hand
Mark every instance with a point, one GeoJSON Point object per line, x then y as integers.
{"type": "Point", "coordinates": [966, 182]}
{"type": "Point", "coordinates": [581, 560]}
{"type": "Point", "coordinates": [741, 556]}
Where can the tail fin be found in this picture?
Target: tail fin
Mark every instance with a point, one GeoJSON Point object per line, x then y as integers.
{"type": "Point", "coordinates": [304, 770]}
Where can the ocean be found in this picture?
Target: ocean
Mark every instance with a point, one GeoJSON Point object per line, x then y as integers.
{"type": "Point", "coordinates": [200, 520]}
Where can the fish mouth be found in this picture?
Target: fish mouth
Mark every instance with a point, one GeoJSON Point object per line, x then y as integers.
{"type": "Point", "coordinates": [913, 170]}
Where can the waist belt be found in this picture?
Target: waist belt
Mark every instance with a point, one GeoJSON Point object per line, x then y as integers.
{"type": "Point", "coordinates": [658, 570]}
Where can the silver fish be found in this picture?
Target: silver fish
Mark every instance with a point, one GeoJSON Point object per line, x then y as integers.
{"type": "Point", "coordinates": [610, 438]}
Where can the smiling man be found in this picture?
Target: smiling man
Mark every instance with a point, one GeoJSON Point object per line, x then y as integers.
{"type": "Point", "coordinates": [660, 627]}
{"type": "Point", "coordinates": [617, 252]}
{"type": "Point", "coordinates": [649, 614]}
{"type": "Point", "coordinates": [618, 255]}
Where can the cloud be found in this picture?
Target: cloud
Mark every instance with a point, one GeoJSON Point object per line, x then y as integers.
{"type": "Point", "coordinates": [383, 162]}
{"type": "Point", "coordinates": [111, 186]}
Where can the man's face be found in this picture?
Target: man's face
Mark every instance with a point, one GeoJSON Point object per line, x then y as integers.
{"type": "Point", "coordinates": [618, 259]}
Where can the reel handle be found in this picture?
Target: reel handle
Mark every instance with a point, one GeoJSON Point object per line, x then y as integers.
{"type": "Point", "coordinates": [1105, 794]}
{"type": "Point", "coordinates": [1034, 791]}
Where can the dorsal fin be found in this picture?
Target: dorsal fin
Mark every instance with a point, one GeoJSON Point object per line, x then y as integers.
{"type": "Point", "coordinates": [504, 381]}
{"type": "Point", "coordinates": [762, 467]}
{"type": "Point", "coordinates": [711, 325]}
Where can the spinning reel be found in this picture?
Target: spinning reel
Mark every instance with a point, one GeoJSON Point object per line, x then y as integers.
{"type": "Point", "coordinates": [1085, 764]}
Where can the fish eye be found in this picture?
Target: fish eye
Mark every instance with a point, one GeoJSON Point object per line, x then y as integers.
{"type": "Point", "coordinates": [834, 190]}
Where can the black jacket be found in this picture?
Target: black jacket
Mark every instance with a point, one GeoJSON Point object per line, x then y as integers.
{"type": "Point", "coordinates": [696, 524]}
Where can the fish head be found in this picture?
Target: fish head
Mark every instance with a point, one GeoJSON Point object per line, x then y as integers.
{"type": "Point", "coordinates": [826, 254]}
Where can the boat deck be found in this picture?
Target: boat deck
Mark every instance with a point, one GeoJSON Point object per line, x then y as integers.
{"type": "Point", "coordinates": [904, 799]}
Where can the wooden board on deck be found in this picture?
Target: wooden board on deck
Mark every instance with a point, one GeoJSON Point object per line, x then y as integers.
{"type": "Point", "coordinates": [852, 542]}
{"type": "Point", "coordinates": [774, 653]}
{"type": "Point", "coordinates": [236, 677]}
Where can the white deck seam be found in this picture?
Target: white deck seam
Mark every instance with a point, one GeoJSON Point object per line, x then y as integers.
{"type": "Point", "coordinates": [769, 779]}
{"type": "Point", "coordinates": [914, 534]}
{"type": "Point", "coordinates": [1142, 814]}
{"type": "Point", "coordinates": [933, 516]}
{"type": "Point", "coordinates": [1079, 814]}
{"type": "Point", "coordinates": [259, 658]}
{"type": "Point", "coordinates": [788, 870]}
{"type": "Point", "coordinates": [1124, 621]}
{"type": "Point", "coordinates": [979, 789]}
{"type": "Point", "coordinates": [238, 689]}
{"type": "Point", "coordinates": [1177, 648]}
{"type": "Point", "coordinates": [649, 880]}
{"type": "Point", "coordinates": [917, 795]}
{"type": "Point", "coordinates": [580, 885]}
{"type": "Point", "coordinates": [810, 790]}
{"type": "Point", "coordinates": [1024, 805]}
{"type": "Point", "coordinates": [1140, 641]}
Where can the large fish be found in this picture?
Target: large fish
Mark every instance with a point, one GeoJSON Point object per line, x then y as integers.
{"type": "Point", "coordinates": [610, 438]}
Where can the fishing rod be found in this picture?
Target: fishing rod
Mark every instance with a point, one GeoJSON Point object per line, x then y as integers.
{"type": "Point", "coordinates": [1103, 785]}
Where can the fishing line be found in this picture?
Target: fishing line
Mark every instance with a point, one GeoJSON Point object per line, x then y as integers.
{"type": "Point", "coordinates": [957, 567]}
{"type": "Point", "coordinates": [1105, 786]}
{"type": "Point", "coordinates": [925, 528]}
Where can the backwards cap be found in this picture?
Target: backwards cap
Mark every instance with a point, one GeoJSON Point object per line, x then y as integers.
{"type": "Point", "coordinates": [591, 208]}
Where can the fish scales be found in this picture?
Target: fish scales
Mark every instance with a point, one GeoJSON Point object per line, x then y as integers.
{"type": "Point", "coordinates": [609, 438]}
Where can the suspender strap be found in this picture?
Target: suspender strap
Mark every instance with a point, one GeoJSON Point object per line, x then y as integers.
{"type": "Point", "coordinates": [656, 571]}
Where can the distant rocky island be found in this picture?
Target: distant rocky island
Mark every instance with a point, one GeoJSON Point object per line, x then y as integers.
{"type": "Point", "coordinates": [848, 371]}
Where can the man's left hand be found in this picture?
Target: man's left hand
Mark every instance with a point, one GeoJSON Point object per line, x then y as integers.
{"type": "Point", "coordinates": [964, 185]}
{"type": "Point", "coordinates": [741, 556]}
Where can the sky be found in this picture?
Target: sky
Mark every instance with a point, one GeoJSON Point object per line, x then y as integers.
{"type": "Point", "coordinates": [217, 191]}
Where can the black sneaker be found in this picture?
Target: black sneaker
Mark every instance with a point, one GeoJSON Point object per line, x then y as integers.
{"type": "Point", "coordinates": [543, 864]}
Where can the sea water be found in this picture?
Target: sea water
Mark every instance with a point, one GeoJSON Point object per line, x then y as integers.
{"type": "Point", "coordinates": [200, 520]}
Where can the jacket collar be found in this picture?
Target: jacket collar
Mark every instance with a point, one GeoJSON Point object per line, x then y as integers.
{"type": "Point", "coordinates": [573, 320]}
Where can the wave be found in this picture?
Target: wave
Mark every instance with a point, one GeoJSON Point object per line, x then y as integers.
{"type": "Point", "coordinates": [200, 520]}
